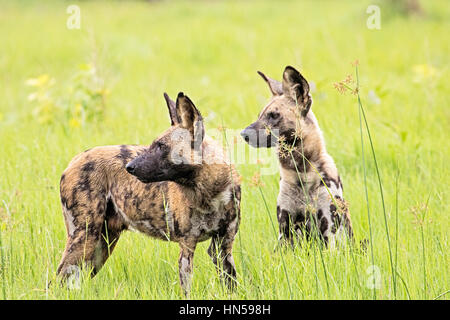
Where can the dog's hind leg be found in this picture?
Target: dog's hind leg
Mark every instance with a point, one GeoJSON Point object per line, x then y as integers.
{"type": "Point", "coordinates": [333, 220]}
{"type": "Point", "coordinates": [220, 252]}
{"type": "Point", "coordinates": [111, 229]}
{"type": "Point", "coordinates": [344, 226]}
{"type": "Point", "coordinates": [84, 222]}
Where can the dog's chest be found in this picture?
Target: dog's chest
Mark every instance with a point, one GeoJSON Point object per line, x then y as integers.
{"type": "Point", "coordinates": [309, 195]}
{"type": "Point", "coordinates": [205, 223]}
{"type": "Point", "coordinates": [293, 196]}
{"type": "Point", "coordinates": [217, 204]}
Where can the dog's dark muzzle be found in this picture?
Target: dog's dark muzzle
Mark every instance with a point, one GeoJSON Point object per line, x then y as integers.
{"type": "Point", "coordinates": [143, 167]}
{"type": "Point", "coordinates": [258, 137]}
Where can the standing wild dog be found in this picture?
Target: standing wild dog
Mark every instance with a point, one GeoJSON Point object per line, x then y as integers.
{"type": "Point", "coordinates": [181, 189]}
{"type": "Point", "coordinates": [310, 188]}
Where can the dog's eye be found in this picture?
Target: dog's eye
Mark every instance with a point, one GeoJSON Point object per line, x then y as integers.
{"type": "Point", "coordinates": [274, 115]}
{"type": "Point", "coordinates": [159, 145]}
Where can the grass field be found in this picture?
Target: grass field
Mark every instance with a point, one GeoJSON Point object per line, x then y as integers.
{"type": "Point", "coordinates": [211, 51]}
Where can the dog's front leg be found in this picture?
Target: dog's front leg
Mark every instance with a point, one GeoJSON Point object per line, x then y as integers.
{"type": "Point", "coordinates": [285, 235]}
{"type": "Point", "coordinates": [185, 265]}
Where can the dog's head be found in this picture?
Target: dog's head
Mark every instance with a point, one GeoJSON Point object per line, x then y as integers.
{"type": "Point", "coordinates": [176, 154]}
{"type": "Point", "coordinates": [286, 110]}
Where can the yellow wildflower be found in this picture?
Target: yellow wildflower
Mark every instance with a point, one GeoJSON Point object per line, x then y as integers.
{"type": "Point", "coordinates": [75, 123]}
{"type": "Point", "coordinates": [423, 72]}
{"type": "Point", "coordinates": [39, 81]}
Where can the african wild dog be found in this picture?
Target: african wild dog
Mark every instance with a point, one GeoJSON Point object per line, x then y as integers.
{"type": "Point", "coordinates": [181, 189]}
{"type": "Point", "coordinates": [304, 202]}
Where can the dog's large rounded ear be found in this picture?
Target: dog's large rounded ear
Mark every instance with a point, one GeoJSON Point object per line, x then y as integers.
{"type": "Point", "coordinates": [296, 87]}
{"type": "Point", "coordinates": [190, 118]}
{"type": "Point", "coordinates": [172, 110]}
{"type": "Point", "coordinates": [274, 85]}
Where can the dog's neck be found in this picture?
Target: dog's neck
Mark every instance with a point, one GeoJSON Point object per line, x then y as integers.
{"type": "Point", "coordinates": [302, 149]}
{"type": "Point", "coordinates": [209, 181]}
{"type": "Point", "coordinates": [212, 177]}
{"type": "Point", "coordinates": [308, 162]}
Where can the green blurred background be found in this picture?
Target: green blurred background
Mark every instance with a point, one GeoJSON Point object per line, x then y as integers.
{"type": "Point", "coordinates": [64, 90]}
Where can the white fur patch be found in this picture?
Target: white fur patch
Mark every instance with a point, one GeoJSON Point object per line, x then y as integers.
{"type": "Point", "coordinates": [128, 221]}
{"type": "Point", "coordinates": [74, 280]}
{"type": "Point", "coordinates": [69, 220]}
{"type": "Point", "coordinates": [222, 198]}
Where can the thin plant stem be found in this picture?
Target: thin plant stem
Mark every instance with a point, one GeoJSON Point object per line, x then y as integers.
{"type": "Point", "coordinates": [441, 295]}
{"type": "Point", "coordinates": [2, 267]}
{"type": "Point", "coordinates": [396, 231]}
{"type": "Point", "coordinates": [236, 204]}
{"type": "Point", "coordinates": [366, 191]}
{"type": "Point", "coordinates": [378, 174]}
{"type": "Point", "coordinates": [315, 270]}
{"type": "Point", "coordinates": [423, 250]}
{"type": "Point", "coordinates": [275, 231]}
{"type": "Point", "coordinates": [379, 181]}
{"type": "Point", "coordinates": [404, 284]}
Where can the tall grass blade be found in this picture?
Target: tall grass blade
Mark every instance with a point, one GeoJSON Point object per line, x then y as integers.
{"type": "Point", "coordinates": [245, 271]}
{"type": "Point", "coordinates": [379, 178]}
{"type": "Point", "coordinates": [275, 232]}
{"type": "Point", "coordinates": [441, 295]}
{"type": "Point", "coordinates": [404, 284]}
{"type": "Point", "coordinates": [396, 231]}
{"type": "Point", "coordinates": [423, 249]}
{"type": "Point", "coordinates": [365, 186]}
{"type": "Point", "coordinates": [2, 267]}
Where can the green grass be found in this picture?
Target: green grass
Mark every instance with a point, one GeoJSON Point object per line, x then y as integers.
{"type": "Point", "coordinates": [211, 51]}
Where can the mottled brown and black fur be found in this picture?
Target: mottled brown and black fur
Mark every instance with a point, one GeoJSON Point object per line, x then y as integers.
{"type": "Point", "coordinates": [184, 202]}
{"type": "Point", "coordinates": [310, 198]}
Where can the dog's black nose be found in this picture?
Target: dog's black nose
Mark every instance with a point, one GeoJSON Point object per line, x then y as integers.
{"type": "Point", "coordinates": [244, 135]}
{"type": "Point", "coordinates": [130, 167]}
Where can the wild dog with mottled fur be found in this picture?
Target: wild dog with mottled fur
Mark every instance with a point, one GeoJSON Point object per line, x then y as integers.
{"type": "Point", "coordinates": [186, 197]}
{"type": "Point", "coordinates": [310, 187]}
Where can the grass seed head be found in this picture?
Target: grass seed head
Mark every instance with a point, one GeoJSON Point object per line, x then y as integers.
{"type": "Point", "coordinates": [256, 180]}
